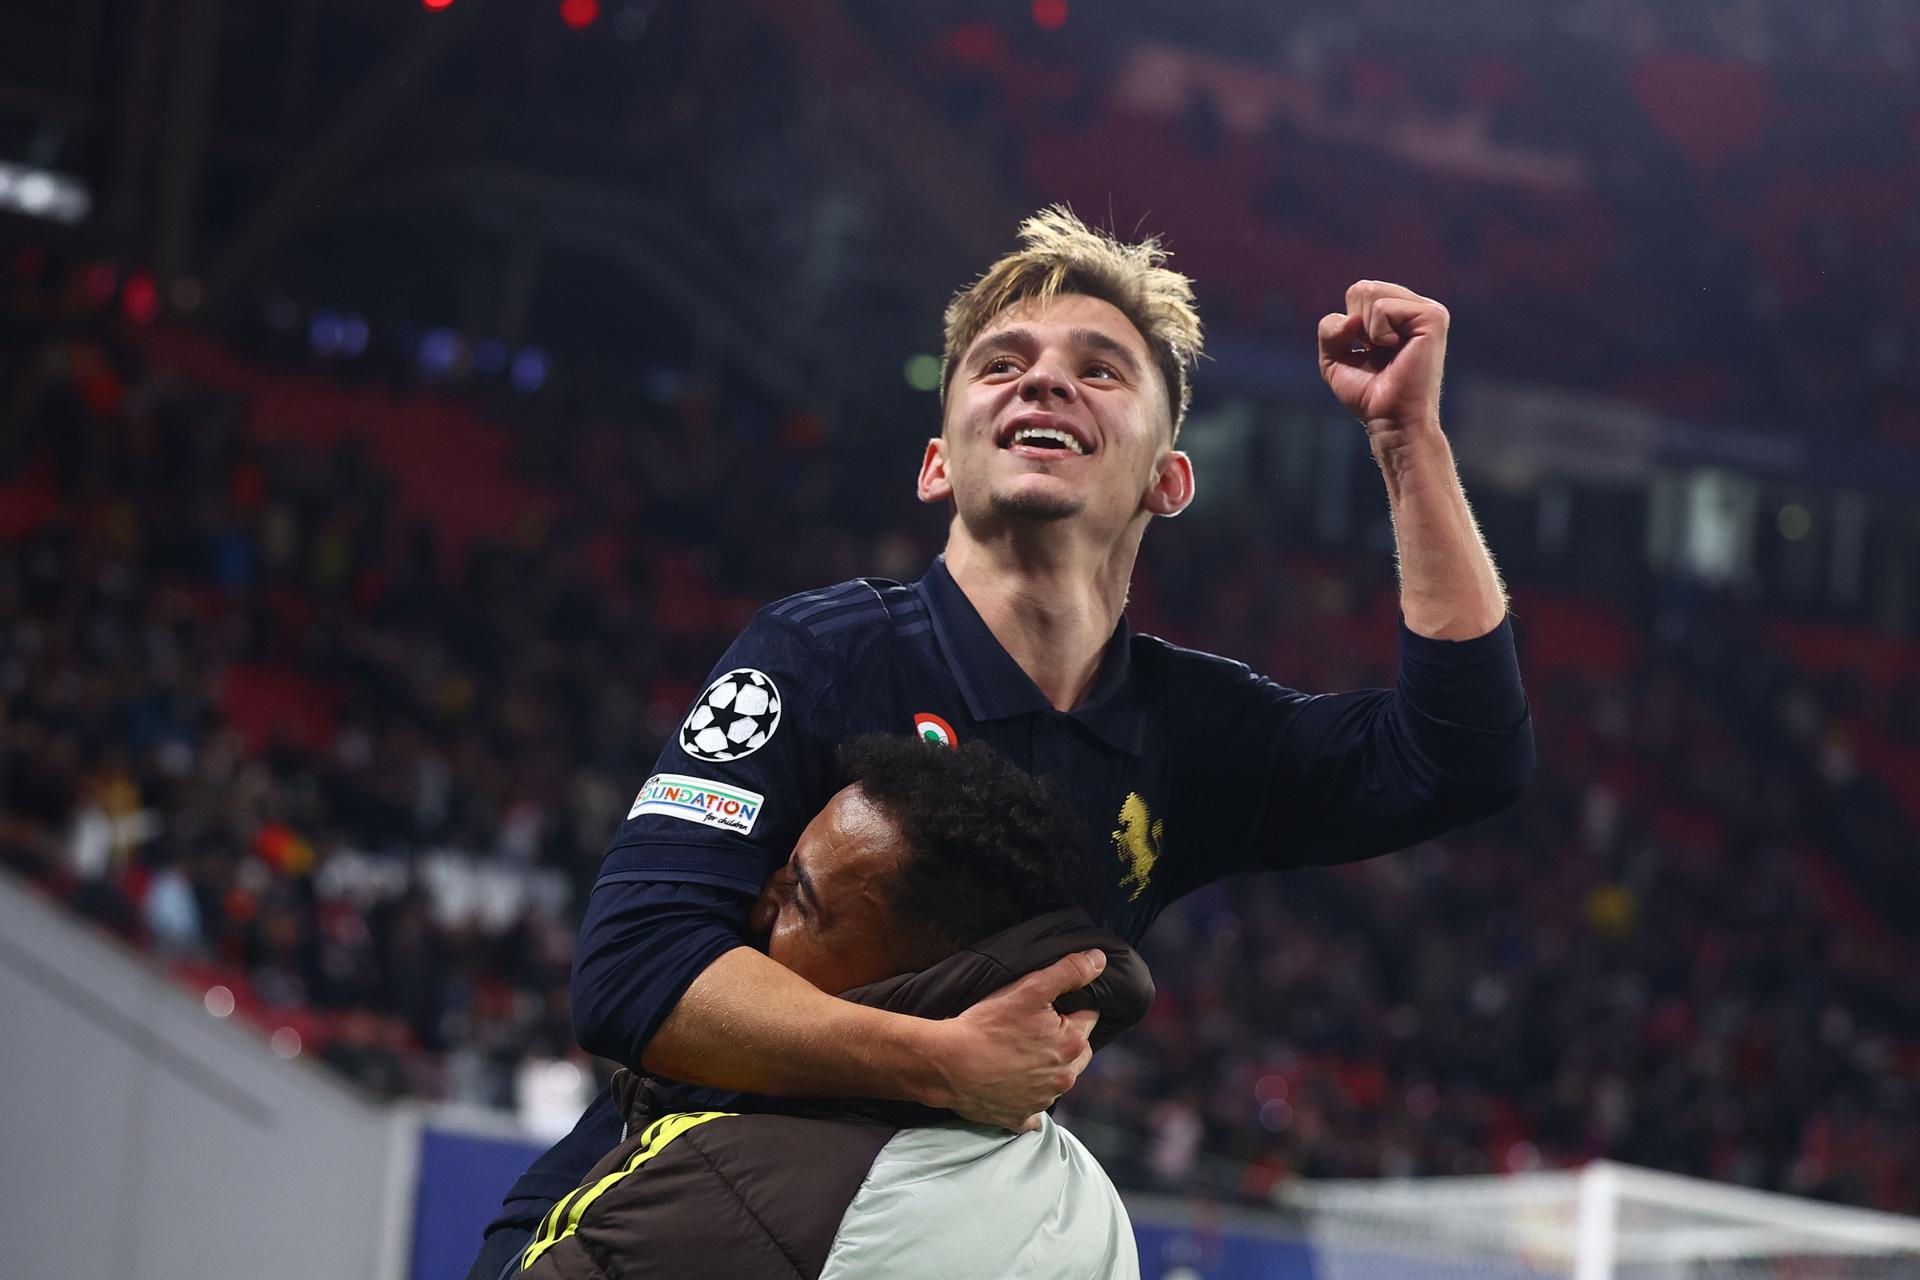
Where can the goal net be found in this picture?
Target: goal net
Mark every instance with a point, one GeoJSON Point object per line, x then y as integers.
{"type": "Point", "coordinates": [1604, 1222]}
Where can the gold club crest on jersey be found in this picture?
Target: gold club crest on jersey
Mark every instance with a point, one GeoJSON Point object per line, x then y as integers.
{"type": "Point", "coordinates": [1138, 843]}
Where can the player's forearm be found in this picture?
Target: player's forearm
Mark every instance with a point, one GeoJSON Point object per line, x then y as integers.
{"type": "Point", "coordinates": [1449, 589]}
{"type": "Point", "coordinates": [752, 1025]}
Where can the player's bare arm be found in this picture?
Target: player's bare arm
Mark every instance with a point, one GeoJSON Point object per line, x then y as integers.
{"type": "Point", "coordinates": [751, 1024]}
{"type": "Point", "coordinates": [1383, 357]}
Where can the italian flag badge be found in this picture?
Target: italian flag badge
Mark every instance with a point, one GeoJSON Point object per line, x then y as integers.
{"type": "Point", "coordinates": [932, 728]}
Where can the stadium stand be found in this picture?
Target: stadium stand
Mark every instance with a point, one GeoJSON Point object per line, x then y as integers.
{"type": "Point", "coordinates": [1517, 166]}
{"type": "Point", "coordinates": [284, 713]}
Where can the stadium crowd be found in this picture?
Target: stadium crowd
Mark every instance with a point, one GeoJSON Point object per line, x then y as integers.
{"type": "Point", "coordinates": [279, 712]}
{"type": "Point", "coordinates": [1573, 161]}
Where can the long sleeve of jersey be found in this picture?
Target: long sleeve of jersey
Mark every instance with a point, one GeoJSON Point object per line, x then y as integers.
{"type": "Point", "coordinates": [1282, 778]}
{"type": "Point", "coordinates": [1474, 684]}
{"type": "Point", "coordinates": [641, 946]}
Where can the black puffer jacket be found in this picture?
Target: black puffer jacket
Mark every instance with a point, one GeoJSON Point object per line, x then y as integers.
{"type": "Point", "coordinates": [831, 1188]}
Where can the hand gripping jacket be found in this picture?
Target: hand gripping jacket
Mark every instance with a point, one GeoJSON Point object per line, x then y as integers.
{"type": "Point", "coordinates": [836, 1189]}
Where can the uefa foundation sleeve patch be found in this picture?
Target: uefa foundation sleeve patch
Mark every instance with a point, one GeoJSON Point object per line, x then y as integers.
{"type": "Point", "coordinates": [734, 718]}
{"type": "Point", "coordinates": [711, 804]}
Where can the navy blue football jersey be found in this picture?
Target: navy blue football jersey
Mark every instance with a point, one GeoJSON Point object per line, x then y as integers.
{"type": "Point", "coordinates": [1187, 767]}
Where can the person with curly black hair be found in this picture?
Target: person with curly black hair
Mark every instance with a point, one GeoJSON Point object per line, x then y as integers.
{"type": "Point", "coordinates": [932, 879]}
{"type": "Point", "coordinates": [983, 843]}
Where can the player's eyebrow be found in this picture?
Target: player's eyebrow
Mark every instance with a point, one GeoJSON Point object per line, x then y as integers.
{"type": "Point", "coordinates": [1099, 341]}
{"type": "Point", "coordinates": [1000, 339]}
{"type": "Point", "coordinates": [1025, 339]}
{"type": "Point", "coordinates": [805, 882]}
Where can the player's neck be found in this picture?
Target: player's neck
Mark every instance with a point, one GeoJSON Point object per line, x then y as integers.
{"type": "Point", "coordinates": [1051, 606]}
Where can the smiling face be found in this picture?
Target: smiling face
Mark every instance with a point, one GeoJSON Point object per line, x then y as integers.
{"type": "Point", "coordinates": [828, 914]}
{"type": "Point", "coordinates": [1056, 412]}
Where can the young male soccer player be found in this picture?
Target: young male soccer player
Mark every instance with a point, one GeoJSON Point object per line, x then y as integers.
{"type": "Point", "coordinates": [925, 883]}
{"type": "Point", "coordinates": [1065, 387]}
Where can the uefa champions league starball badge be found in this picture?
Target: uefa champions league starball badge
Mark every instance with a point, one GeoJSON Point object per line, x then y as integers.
{"type": "Point", "coordinates": [733, 719]}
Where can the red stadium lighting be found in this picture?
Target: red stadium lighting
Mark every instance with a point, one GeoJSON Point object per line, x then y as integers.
{"type": "Point", "coordinates": [1050, 15]}
{"type": "Point", "coordinates": [139, 298]}
{"type": "Point", "coordinates": [101, 280]}
{"type": "Point", "coordinates": [437, 4]}
{"type": "Point", "coordinates": [579, 14]}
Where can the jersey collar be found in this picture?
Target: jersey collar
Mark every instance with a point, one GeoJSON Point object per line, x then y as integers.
{"type": "Point", "coordinates": [996, 687]}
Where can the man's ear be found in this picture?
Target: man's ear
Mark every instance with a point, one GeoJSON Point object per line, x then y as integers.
{"type": "Point", "coordinates": [934, 485]}
{"type": "Point", "coordinates": [1172, 487]}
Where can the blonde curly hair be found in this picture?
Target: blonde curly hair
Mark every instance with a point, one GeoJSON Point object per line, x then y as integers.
{"type": "Point", "coordinates": [1061, 254]}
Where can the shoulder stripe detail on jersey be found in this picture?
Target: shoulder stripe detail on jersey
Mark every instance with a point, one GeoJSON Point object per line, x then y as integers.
{"type": "Point", "coordinates": [832, 619]}
{"type": "Point", "coordinates": [900, 600]}
{"type": "Point", "coordinates": [839, 593]}
{"type": "Point", "coordinates": [850, 603]}
{"type": "Point", "coordinates": [835, 609]}
{"type": "Point", "coordinates": [841, 621]}
{"type": "Point", "coordinates": [840, 604]}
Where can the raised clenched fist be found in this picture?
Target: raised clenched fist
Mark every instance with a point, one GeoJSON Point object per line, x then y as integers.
{"type": "Point", "coordinates": [1383, 357]}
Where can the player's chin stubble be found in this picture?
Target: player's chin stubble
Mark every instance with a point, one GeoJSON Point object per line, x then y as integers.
{"type": "Point", "coordinates": [1035, 506]}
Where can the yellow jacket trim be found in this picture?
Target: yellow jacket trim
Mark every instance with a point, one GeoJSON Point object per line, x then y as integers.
{"type": "Point", "coordinates": [564, 1218]}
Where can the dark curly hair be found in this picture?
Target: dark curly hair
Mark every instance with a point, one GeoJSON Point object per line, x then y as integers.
{"type": "Point", "coordinates": [988, 844]}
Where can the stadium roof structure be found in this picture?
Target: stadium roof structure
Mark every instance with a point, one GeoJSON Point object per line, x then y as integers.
{"type": "Point", "coordinates": [761, 179]}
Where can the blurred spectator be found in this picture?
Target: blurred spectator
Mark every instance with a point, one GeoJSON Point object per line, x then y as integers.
{"type": "Point", "coordinates": [331, 692]}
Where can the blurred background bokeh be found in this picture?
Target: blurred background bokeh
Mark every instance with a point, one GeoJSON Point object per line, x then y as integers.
{"type": "Point", "coordinates": [402, 405]}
